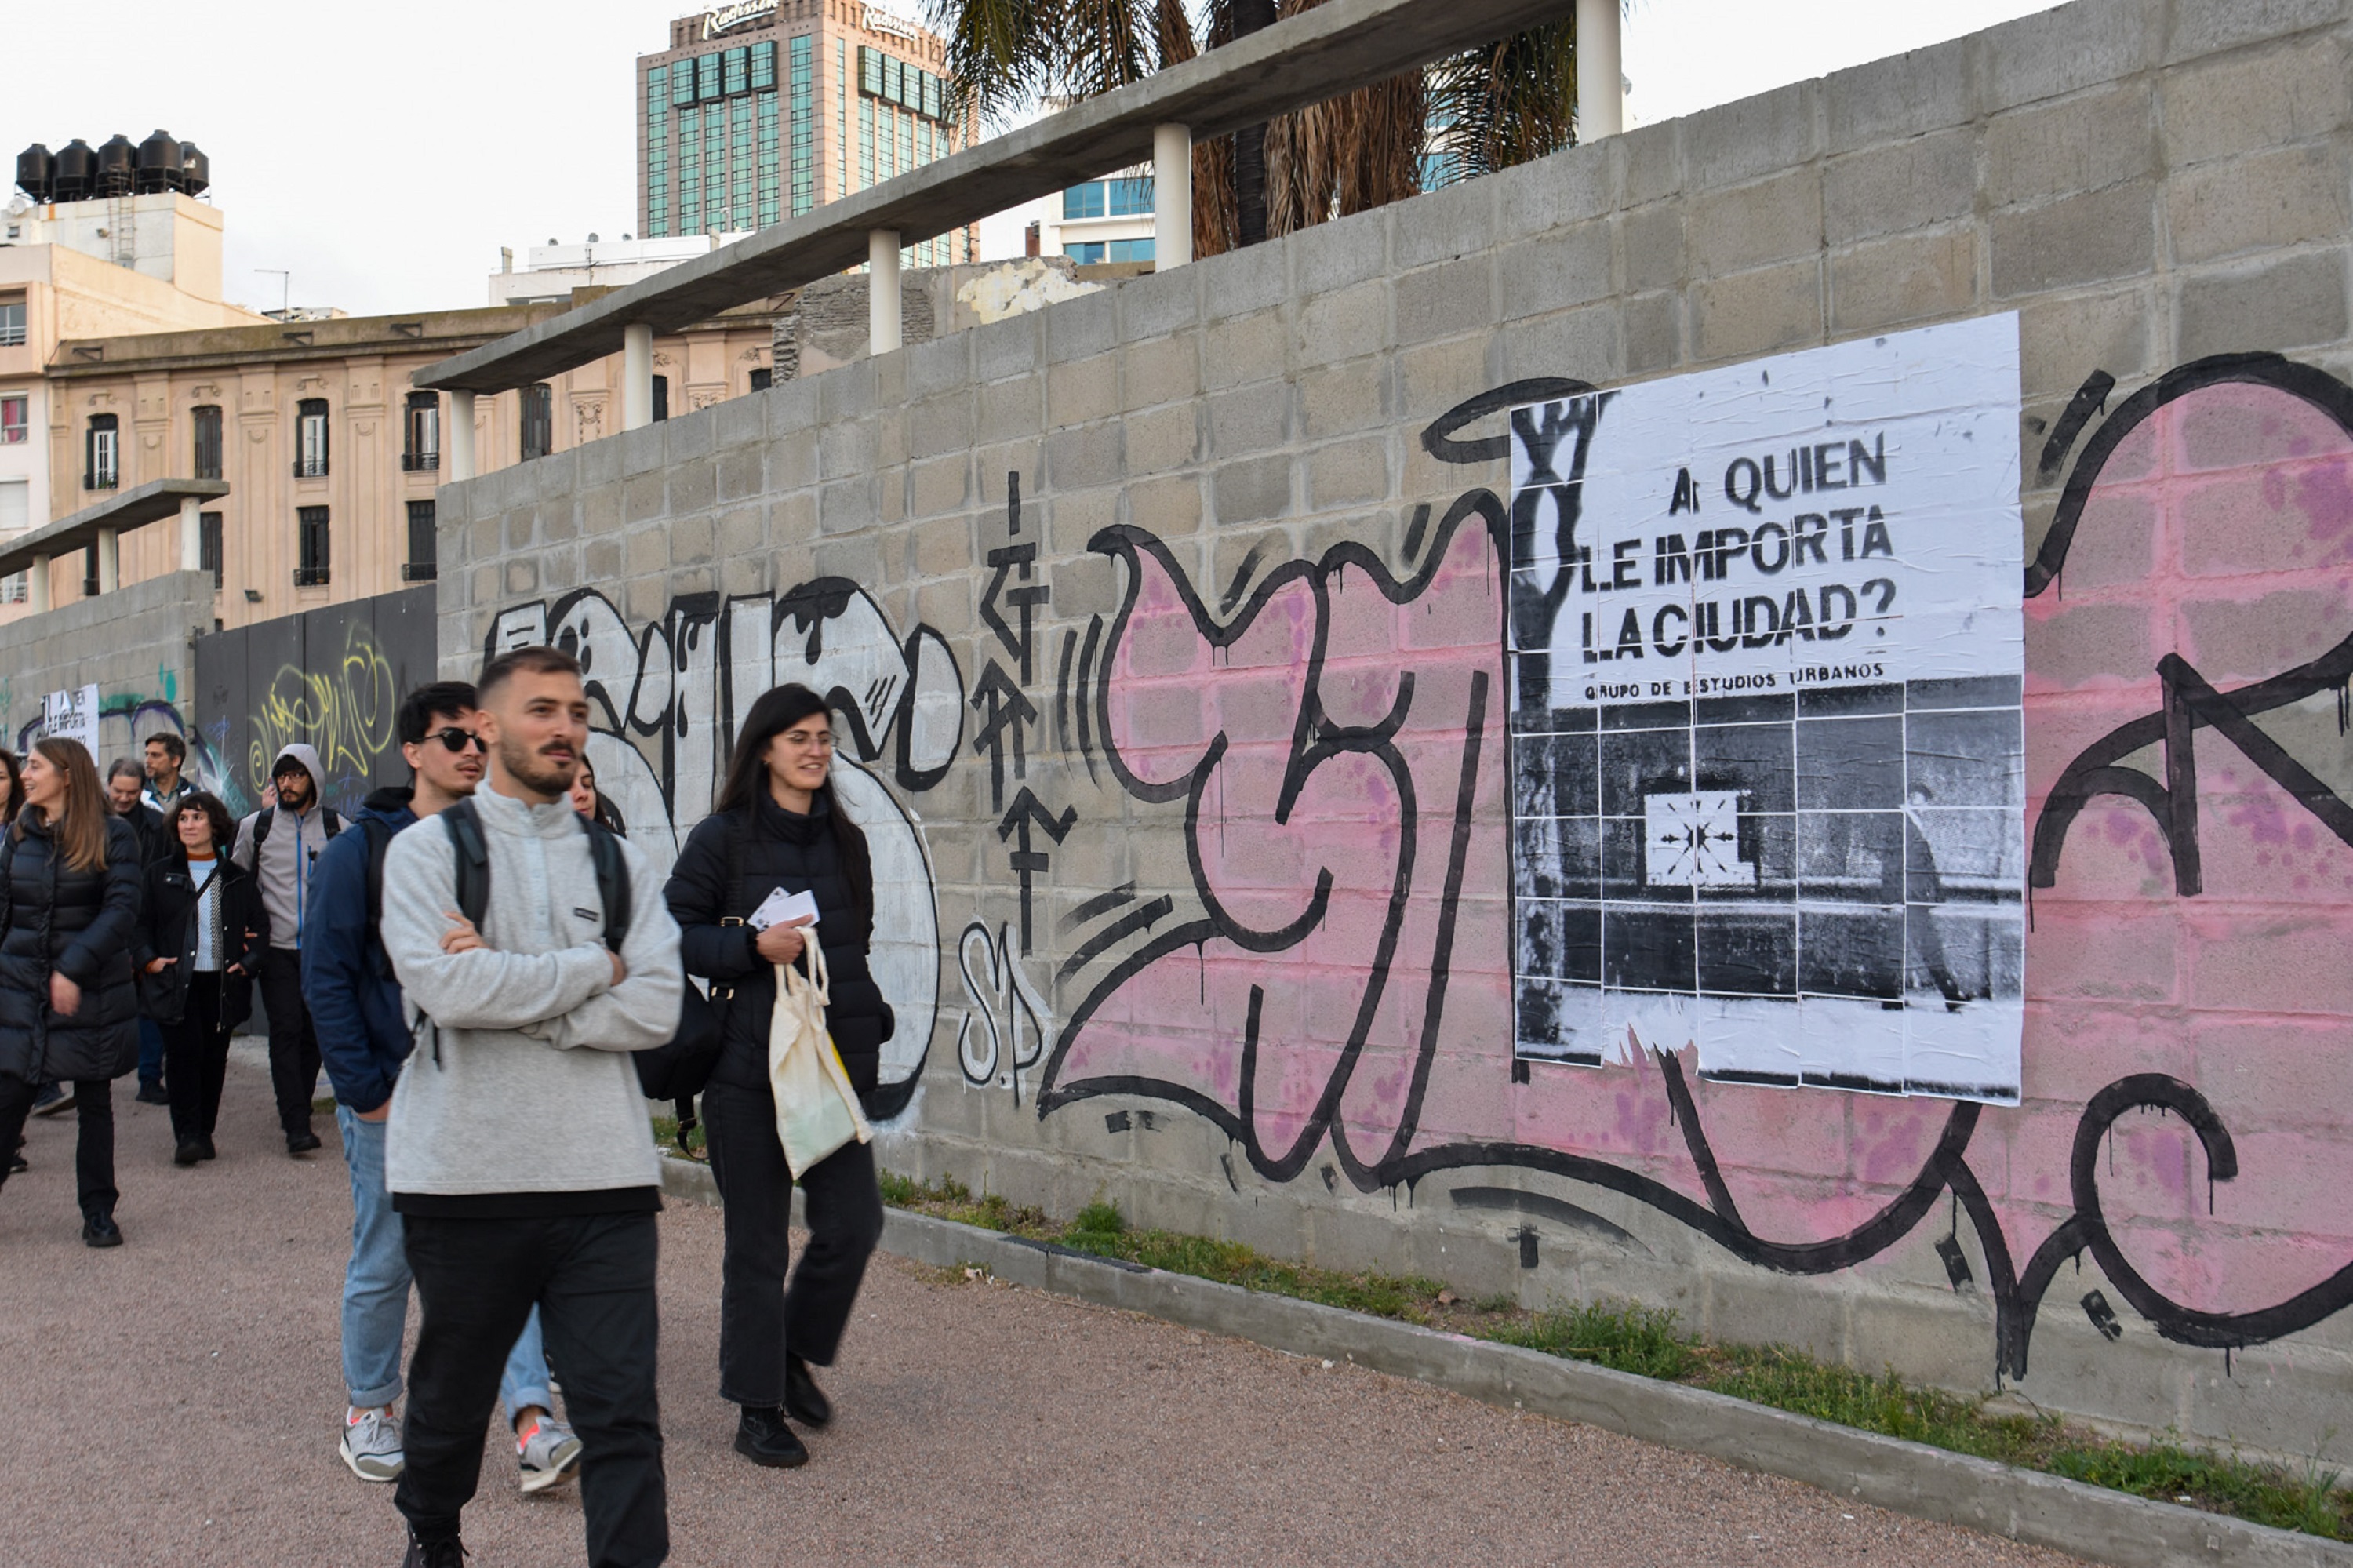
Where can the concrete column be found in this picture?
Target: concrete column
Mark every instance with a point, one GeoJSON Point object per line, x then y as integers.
{"type": "Point", "coordinates": [637, 375]}
{"type": "Point", "coordinates": [1600, 71]}
{"type": "Point", "coordinates": [881, 291]}
{"type": "Point", "coordinates": [36, 585]}
{"type": "Point", "coordinates": [1172, 197]}
{"type": "Point", "coordinates": [462, 434]}
{"type": "Point", "coordinates": [110, 560]}
{"type": "Point", "coordinates": [191, 535]}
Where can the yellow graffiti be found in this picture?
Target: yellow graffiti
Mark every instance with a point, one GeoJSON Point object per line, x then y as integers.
{"type": "Point", "coordinates": [345, 712]}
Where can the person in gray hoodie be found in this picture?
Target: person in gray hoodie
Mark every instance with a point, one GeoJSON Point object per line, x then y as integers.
{"type": "Point", "coordinates": [280, 844]}
{"type": "Point", "coordinates": [518, 1152]}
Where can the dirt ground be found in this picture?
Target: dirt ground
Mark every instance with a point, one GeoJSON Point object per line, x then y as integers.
{"type": "Point", "coordinates": [177, 1401]}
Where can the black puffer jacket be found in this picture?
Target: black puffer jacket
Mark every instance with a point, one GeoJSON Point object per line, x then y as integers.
{"type": "Point", "coordinates": [728, 866]}
{"type": "Point", "coordinates": [167, 929]}
{"type": "Point", "coordinates": [84, 925]}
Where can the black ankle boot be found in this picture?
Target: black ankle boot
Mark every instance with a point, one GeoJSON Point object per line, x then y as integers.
{"type": "Point", "coordinates": [763, 1437]}
{"type": "Point", "coordinates": [100, 1230]}
{"type": "Point", "coordinates": [803, 1401]}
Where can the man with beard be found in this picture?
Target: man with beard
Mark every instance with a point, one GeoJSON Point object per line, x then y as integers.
{"type": "Point", "coordinates": [363, 1039]}
{"type": "Point", "coordinates": [167, 755]}
{"type": "Point", "coordinates": [281, 845]}
{"type": "Point", "coordinates": [519, 1154]}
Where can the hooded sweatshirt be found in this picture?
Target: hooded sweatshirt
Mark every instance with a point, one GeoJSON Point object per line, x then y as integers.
{"type": "Point", "coordinates": [291, 852]}
{"type": "Point", "coordinates": [355, 1003]}
{"type": "Point", "coordinates": [521, 1098]}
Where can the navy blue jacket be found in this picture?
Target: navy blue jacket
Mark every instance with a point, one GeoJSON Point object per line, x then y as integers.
{"type": "Point", "coordinates": [348, 986]}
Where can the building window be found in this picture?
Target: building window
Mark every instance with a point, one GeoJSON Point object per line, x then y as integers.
{"type": "Point", "coordinates": [681, 84]}
{"type": "Point", "coordinates": [312, 540]}
{"type": "Point", "coordinates": [1087, 251]}
{"type": "Point", "coordinates": [840, 119]}
{"type": "Point", "coordinates": [690, 170]}
{"type": "Point", "coordinates": [771, 172]}
{"type": "Point", "coordinates": [869, 71]}
{"type": "Point", "coordinates": [101, 454]}
{"type": "Point", "coordinates": [763, 378]}
{"type": "Point", "coordinates": [714, 168]}
{"type": "Point", "coordinates": [419, 567]}
{"type": "Point", "coordinates": [205, 419]}
{"type": "Point", "coordinates": [661, 399]}
{"type": "Point", "coordinates": [740, 156]}
{"type": "Point", "coordinates": [208, 545]}
{"type": "Point", "coordinates": [15, 506]}
{"type": "Point", "coordinates": [311, 438]}
{"type": "Point", "coordinates": [865, 143]}
{"type": "Point", "coordinates": [764, 67]}
{"type": "Point", "coordinates": [735, 77]}
{"type": "Point", "coordinates": [12, 322]}
{"type": "Point", "coordinates": [420, 450]}
{"type": "Point", "coordinates": [538, 421]}
{"type": "Point", "coordinates": [15, 421]}
{"type": "Point", "coordinates": [706, 76]}
{"type": "Point", "coordinates": [657, 218]}
{"type": "Point", "coordinates": [803, 74]}
{"type": "Point", "coordinates": [89, 571]}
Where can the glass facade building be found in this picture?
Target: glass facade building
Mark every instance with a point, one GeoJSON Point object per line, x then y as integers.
{"type": "Point", "coordinates": [762, 112]}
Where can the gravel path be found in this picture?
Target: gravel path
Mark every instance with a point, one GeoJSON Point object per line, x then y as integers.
{"type": "Point", "coordinates": [176, 1401]}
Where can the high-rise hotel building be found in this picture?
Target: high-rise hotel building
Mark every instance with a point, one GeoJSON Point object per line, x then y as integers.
{"type": "Point", "coordinates": [762, 109]}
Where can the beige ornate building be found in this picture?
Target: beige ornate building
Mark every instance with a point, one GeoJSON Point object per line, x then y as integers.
{"type": "Point", "coordinates": [330, 455]}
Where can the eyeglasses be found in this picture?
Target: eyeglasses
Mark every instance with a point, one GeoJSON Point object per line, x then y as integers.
{"type": "Point", "coordinates": [456, 739]}
{"type": "Point", "coordinates": [822, 741]}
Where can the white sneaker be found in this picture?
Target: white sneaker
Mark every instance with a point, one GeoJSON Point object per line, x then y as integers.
{"type": "Point", "coordinates": [371, 1445]}
{"type": "Point", "coordinates": [548, 1455]}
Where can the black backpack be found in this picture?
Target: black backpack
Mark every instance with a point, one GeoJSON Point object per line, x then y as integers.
{"type": "Point", "coordinates": [268, 814]}
{"type": "Point", "coordinates": [676, 1071]}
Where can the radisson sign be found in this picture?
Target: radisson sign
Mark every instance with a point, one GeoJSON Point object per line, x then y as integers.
{"type": "Point", "coordinates": [727, 19]}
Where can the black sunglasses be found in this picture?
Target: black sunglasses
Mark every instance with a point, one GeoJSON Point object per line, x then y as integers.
{"type": "Point", "coordinates": [456, 739]}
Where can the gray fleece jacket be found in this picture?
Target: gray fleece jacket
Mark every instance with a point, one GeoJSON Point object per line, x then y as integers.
{"type": "Point", "coordinates": [290, 854]}
{"type": "Point", "coordinates": [531, 1089]}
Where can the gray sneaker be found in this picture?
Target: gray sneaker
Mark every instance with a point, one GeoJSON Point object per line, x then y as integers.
{"type": "Point", "coordinates": [371, 1445]}
{"type": "Point", "coordinates": [548, 1455]}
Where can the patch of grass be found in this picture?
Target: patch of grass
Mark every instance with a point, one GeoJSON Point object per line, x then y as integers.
{"type": "Point", "coordinates": [1650, 1342]}
{"type": "Point", "coordinates": [1625, 1338]}
{"type": "Point", "coordinates": [2310, 1501]}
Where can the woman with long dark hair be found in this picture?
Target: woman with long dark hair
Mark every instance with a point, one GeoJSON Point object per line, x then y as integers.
{"type": "Point", "coordinates": [778, 825]}
{"type": "Point", "coordinates": [202, 932]}
{"type": "Point", "coordinates": [12, 800]}
{"type": "Point", "coordinates": [68, 919]}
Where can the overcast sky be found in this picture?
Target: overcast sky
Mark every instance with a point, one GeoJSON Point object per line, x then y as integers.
{"type": "Point", "coordinates": [383, 155]}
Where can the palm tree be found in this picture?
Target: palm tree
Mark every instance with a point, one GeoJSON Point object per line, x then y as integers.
{"type": "Point", "coordinates": [1471, 113]}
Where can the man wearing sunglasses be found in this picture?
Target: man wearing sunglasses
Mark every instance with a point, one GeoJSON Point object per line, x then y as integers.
{"type": "Point", "coordinates": [363, 1040]}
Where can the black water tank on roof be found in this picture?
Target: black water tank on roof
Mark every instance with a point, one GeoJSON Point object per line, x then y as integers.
{"type": "Point", "coordinates": [118, 167]}
{"type": "Point", "coordinates": [159, 160]}
{"type": "Point", "coordinates": [195, 169]}
{"type": "Point", "coordinates": [76, 172]}
{"type": "Point", "coordinates": [36, 169]}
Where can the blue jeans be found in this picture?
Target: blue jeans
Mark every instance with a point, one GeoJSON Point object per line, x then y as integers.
{"type": "Point", "coordinates": [376, 1290]}
{"type": "Point", "coordinates": [150, 1051]}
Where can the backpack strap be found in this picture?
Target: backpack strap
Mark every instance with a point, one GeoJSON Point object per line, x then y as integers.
{"type": "Point", "coordinates": [473, 860]}
{"type": "Point", "coordinates": [612, 880]}
{"type": "Point", "coordinates": [379, 841]}
{"type": "Point", "coordinates": [335, 823]}
{"type": "Point", "coordinates": [262, 821]}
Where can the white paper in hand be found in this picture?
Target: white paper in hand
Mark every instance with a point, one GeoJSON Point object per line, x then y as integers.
{"type": "Point", "coordinates": [780, 905]}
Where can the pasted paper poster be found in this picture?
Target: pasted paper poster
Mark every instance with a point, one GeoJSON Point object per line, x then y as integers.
{"type": "Point", "coordinates": [1766, 751]}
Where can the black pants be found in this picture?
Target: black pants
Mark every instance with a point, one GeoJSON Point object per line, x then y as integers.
{"type": "Point", "coordinates": [293, 1044]}
{"type": "Point", "coordinates": [195, 1059]}
{"type": "Point", "coordinates": [759, 1318]}
{"type": "Point", "coordinates": [592, 1277]}
{"type": "Point", "coordinates": [93, 1149]}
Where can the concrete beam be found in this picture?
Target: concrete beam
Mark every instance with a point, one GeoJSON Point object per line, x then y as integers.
{"type": "Point", "coordinates": [1302, 59]}
{"type": "Point", "coordinates": [192, 535]}
{"type": "Point", "coordinates": [461, 432]}
{"type": "Point", "coordinates": [882, 309]}
{"type": "Point", "coordinates": [1600, 71]}
{"type": "Point", "coordinates": [135, 508]}
{"type": "Point", "coordinates": [110, 560]}
{"type": "Point", "coordinates": [36, 585]}
{"type": "Point", "coordinates": [636, 376]}
{"type": "Point", "coordinates": [1172, 197]}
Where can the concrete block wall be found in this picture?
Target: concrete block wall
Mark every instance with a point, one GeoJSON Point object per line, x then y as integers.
{"type": "Point", "coordinates": [137, 643]}
{"type": "Point", "coordinates": [1106, 592]}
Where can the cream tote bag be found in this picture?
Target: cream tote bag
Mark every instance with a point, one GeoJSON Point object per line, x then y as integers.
{"type": "Point", "coordinates": [816, 1110]}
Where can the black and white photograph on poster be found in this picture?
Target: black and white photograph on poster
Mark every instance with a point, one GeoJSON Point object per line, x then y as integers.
{"type": "Point", "coordinates": [1768, 756]}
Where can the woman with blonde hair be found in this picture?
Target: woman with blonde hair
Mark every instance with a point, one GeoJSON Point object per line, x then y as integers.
{"type": "Point", "coordinates": [69, 877]}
